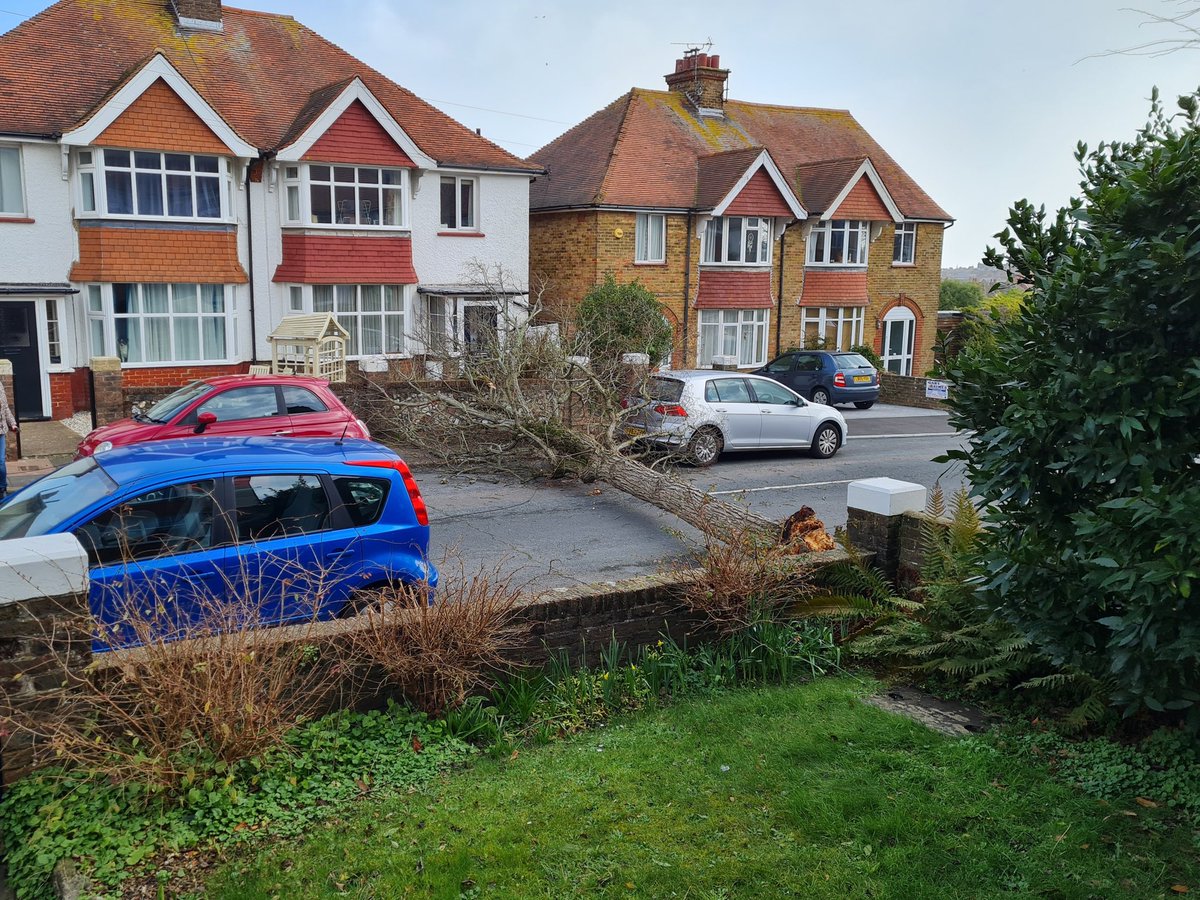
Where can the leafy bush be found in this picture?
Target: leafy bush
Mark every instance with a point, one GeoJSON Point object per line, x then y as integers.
{"type": "Point", "coordinates": [624, 318]}
{"type": "Point", "coordinates": [869, 353]}
{"type": "Point", "coordinates": [1086, 416]}
{"type": "Point", "coordinates": [959, 294]}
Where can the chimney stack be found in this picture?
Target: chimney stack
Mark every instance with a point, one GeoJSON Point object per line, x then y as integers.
{"type": "Point", "coordinates": [198, 15]}
{"type": "Point", "coordinates": [700, 77]}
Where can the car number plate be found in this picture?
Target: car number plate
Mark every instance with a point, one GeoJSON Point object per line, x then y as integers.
{"type": "Point", "coordinates": [862, 379]}
{"type": "Point", "coordinates": [634, 431]}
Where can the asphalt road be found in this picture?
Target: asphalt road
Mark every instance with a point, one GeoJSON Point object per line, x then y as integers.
{"type": "Point", "coordinates": [550, 534]}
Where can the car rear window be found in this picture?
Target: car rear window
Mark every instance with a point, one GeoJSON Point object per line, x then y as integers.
{"type": "Point", "coordinates": [664, 390]}
{"type": "Point", "coordinates": [851, 361]}
{"type": "Point", "coordinates": [363, 498]}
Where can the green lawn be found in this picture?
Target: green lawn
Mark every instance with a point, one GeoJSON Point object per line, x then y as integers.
{"type": "Point", "coordinates": [791, 791]}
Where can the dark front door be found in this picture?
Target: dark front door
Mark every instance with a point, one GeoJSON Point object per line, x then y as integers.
{"type": "Point", "coordinates": [19, 345]}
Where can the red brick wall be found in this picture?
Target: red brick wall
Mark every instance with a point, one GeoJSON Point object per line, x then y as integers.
{"type": "Point", "coordinates": [176, 376]}
{"type": "Point", "coordinates": [160, 120]}
{"type": "Point", "coordinates": [157, 255]}
{"type": "Point", "coordinates": [760, 197]}
{"type": "Point", "coordinates": [357, 138]}
{"type": "Point", "coordinates": [337, 259]}
{"type": "Point", "coordinates": [862, 203]}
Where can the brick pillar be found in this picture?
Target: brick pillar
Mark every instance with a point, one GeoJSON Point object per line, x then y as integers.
{"type": "Point", "coordinates": [6, 380]}
{"type": "Point", "coordinates": [43, 624]}
{"type": "Point", "coordinates": [108, 394]}
{"type": "Point", "coordinates": [874, 515]}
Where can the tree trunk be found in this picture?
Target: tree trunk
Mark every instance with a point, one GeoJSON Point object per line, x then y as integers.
{"type": "Point", "coordinates": [674, 495]}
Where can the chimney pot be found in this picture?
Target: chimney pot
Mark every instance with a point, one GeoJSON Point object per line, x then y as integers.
{"type": "Point", "coordinates": [714, 62]}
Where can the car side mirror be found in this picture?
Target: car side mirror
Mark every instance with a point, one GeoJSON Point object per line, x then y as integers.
{"type": "Point", "coordinates": [204, 420]}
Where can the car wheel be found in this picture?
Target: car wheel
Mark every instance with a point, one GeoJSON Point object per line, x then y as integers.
{"type": "Point", "coordinates": [864, 404]}
{"type": "Point", "coordinates": [370, 598]}
{"type": "Point", "coordinates": [820, 395]}
{"type": "Point", "coordinates": [705, 447]}
{"type": "Point", "coordinates": [826, 442]}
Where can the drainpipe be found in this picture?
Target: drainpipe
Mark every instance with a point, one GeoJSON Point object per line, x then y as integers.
{"type": "Point", "coordinates": [779, 300]}
{"type": "Point", "coordinates": [250, 256]}
{"type": "Point", "coordinates": [687, 285]}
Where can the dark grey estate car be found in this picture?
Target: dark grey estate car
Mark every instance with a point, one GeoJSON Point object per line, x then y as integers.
{"type": "Point", "coordinates": [826, 376]}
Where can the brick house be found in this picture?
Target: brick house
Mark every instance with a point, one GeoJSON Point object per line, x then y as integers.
{"type": "Point", "coordinates": [176, 176]}
{"type": "Point", "coordinates": [760, 228]}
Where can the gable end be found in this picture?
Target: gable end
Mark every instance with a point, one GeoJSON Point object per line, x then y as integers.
{"type": "Point", "coordinates": [357, 137]}
{"type": "Point", "coordinates": [760, 197]}
{"type": "Point", "coordinates": [160, 120]}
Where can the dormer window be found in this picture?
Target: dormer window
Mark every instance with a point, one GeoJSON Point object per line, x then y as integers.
{"type": "Point", "coordinates": [145, 184]}
{"type": "Point", "coordinates": [840, 242]}
{"type": "Point", "coordinates": [349, 196]}
{"type": "Point", "coordinates": [738, 240]}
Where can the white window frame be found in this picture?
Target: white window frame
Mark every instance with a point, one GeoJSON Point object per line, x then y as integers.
{"type": "Point", "coordinates": [904, 244]}
{"type": "Point", "coordinates": [716, 251]}
{"type": "Point", "coordinates": [313, 301]}
{"type": "Point", "coordinates": [735, 325]}
{"type": "Point", "coordinates": [644, 250]}
{"type": "Point", "coordinates": [102, 322]}
{"type": "Point", "coordinates": [820, 242]}
{"type": "Point", "coordinates": [845, 322]}
{"type": "Point", "coordinates": [459, 181]}
{"type": "Point", "coordinates": [91, 164]}
{"type": "Point", "coordinates": [451, 335]}
{"type": "Point", "coordinates": [54, 333]}
{"type": "Point", "coordinates": [903, 318]}
{"type": "Point", "coordinates": [298, 181]}
{"type": "Point", "coordinates": [13, 151]}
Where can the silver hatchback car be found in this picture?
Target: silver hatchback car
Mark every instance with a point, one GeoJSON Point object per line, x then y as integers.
{"type": "Point", "coordinates": [704, 413]}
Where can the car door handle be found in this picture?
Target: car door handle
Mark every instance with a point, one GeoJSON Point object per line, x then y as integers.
{"type": "Point", "coordinates": [282, 431]}
{"type": "Point", "coordinates": [765, 412]}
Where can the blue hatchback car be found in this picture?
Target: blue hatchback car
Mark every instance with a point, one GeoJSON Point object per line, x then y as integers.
{"type": "Point", "coordinates": [827, 377]}
{"type": "Point", "coordinates": [303, 527]}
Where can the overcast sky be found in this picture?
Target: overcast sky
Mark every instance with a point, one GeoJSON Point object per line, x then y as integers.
{"type": "Point", "coordinates": [982, 103]}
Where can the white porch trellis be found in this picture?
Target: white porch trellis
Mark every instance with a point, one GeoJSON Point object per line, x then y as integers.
{"type": "Point", "coordinates": [309, 345]}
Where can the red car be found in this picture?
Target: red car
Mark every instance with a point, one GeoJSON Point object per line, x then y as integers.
{"type": "Point", "coordinates": [234, 406]}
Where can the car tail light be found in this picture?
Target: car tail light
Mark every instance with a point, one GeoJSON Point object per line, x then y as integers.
{"type": "Point", "coordinates": [839, 380]}
{"type": "Point", "coordinates": [410, 483]}
{"type": "Point", "coordinates": [624, 403]}
{"type": "Point", "coordinates": [671, 409]}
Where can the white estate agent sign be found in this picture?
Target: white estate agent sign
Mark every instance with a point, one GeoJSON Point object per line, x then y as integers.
{"type": "Point", "coordinates": [937, 390]}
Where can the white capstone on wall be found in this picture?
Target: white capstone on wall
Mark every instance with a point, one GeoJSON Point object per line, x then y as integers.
{"type": "Point", "coordinates": [885, 496]}
{"type": "Point", "coordinates": [49, 566]}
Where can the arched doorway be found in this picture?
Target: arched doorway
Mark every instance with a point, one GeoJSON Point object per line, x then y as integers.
{"type": "Point", "coordinates": [899, 334]}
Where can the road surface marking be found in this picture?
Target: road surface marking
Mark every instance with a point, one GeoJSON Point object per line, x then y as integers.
{"type": "Point", "coordinates": [781, 487]}
{"type": "Point", "coordinates": [932, 434]}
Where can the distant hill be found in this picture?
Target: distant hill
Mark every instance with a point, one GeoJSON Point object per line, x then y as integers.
{"type": "Point", "coordinates": [984, 275]}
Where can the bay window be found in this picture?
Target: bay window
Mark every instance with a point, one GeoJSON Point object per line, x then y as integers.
{"type": "Point", "coordinates": [375, 315]}
{"type": "Point", "coordinates": [458, 203]}
{"type": "Point", "coordinates": [650, 245]}
{"type": "Point", "coordinates": [740, 333]}
{"type": "Point", "coordinates": [904, 247]}
{"type": "Point", "coordinates": [840, 242]}
{"type": "Point", "coordinates": [12, 197]}
{"type": "Point", "coordinates": [351, 195]}
{"type": "Point", "coordinates": [831, 327]}
{"type": "Point", "coordinates": [161, 323]}
{"type": "Point", "coordinates": [148, 184]}
{"type": "Point", "coordinates": [740, 240]}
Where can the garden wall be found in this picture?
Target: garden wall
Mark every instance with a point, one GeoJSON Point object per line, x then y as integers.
{"type": "Point", "coordinates": [907, 390]}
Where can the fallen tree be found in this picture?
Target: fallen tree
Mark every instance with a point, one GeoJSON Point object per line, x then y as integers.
{"type": "Point", "coordinates": [496, 399]}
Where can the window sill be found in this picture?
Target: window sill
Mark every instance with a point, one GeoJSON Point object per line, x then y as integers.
{"type": "Point", "coordinates": [16, 220]}
{"type": "Point", "coordinates": [904, 265]}
{"type": "Point", "coordinates": [466, 234]}
{"type": "Point", "coordinates": [661, 263]}
{"type": "Point", "coordinates": [844, 267]}
{"type": "Point", "coordinates": [59, 369]}
{"type": "Point", "coordinates": [150, 220]}
{"type": "Point", "coordinates": [740, 267]}
{"type": "Point", "coordinates": [326, 226]}
{"type": "Point", "coordinates": [171, 364]}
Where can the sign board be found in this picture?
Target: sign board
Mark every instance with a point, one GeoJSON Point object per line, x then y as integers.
{"type": "Point", "coordinates": [937, 390]}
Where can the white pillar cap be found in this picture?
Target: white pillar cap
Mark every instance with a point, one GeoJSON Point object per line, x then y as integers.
{"type": "Point", "coordinates": [885, 496]}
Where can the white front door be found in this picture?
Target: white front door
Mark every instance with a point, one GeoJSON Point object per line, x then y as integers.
{"type": "Point", "coordinates": [899, 331]}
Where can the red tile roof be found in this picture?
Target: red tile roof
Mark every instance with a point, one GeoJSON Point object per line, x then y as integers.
{"type": "Point", "coordinates": [730, 289]}
{"type": "Point", "coordinates": [643, 151]}
{"type": "Point", "coordinates": [717, 173]}
{"type": "Point", "coordinates": [262, 73]}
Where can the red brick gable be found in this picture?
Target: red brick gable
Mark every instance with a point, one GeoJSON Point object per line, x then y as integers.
{"type": "Point", "coordinates": [725, 289]}
{"type": "Point", "coordinates": [863, 202]}
{"type": "Point", "coordinates": [834, 288]}
{"type": "Point", "coordinates": [357, 137]}
{"type": "Point", "coordinates": [760, 197]}
{"type": "Point", "coordinates": [340, 259]}
{"type": "Point", "coordinates": [160, 120]}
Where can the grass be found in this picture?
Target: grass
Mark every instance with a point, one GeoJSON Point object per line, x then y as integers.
{"type": "Point", "coordinates": [788, 791]}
